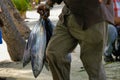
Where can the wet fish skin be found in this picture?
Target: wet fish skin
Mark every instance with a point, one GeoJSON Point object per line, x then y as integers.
{"type": "Point", "coordinates": [27, 56]}
{"type": "Point", "coordinates": [36, 46]}
{"type": "Point", "coordinates": [38, 49]}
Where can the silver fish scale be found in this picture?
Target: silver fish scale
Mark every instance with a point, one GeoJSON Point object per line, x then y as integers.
{"type": "Point", "coordinates": [38, 49]}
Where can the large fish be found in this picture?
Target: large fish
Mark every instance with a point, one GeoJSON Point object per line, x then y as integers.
{"type": "Point", "coordinates": [49, 31]}
{"type": "Point", "coordinates": [38, 48]}
{"type": "Point", "coordinates": [27, 55]}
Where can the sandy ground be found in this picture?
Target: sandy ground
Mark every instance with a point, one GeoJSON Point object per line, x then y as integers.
{"type": "Point", "coordinates": [14, 71]}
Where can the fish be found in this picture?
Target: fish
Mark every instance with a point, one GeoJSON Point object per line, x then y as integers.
{"type": "Point", "coordinates": [27, 56]}
{"type": "Point", "coordinates": [35, 48]}
{"type": "Point", "coordinates": [38, 48]}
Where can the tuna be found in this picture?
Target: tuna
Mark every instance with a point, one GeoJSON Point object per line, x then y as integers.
{"type": "Point", "coordinates": [36, 46]}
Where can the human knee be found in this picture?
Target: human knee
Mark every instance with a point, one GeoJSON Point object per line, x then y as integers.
{"type": "Point", "coordinates": [51, 54]}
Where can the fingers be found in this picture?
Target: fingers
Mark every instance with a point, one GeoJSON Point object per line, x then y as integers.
{"type": "Point", "coordinates": [40, 9]}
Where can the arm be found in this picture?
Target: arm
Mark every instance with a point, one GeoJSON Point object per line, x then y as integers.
{"type": "Point", "coordinates": [117, 21]}
{"type": "Point", "coordinates": [107, 1]}
{"type": "Point", "coordinates": [50, 3]}
{"type": "Point", "coordinates": [0, 9]}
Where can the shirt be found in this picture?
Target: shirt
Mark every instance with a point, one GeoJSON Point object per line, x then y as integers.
{"type": "Point", "coordinates": [89, 12]}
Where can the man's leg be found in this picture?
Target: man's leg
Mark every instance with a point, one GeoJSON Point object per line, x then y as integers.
{"type": "Point", "coordinates": [92, 48]}
{"type": "Point", "coordinates": [60, 45]}
{"type": "Point", "coordinates": [92, 42]}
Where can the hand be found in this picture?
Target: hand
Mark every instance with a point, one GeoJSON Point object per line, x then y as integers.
{"type": "Point", "coordinates": [107, 3]}
{"type": "Point", "coordinates": [43, 11]}
{"type": "Point", "coordinates": [117, 20]}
